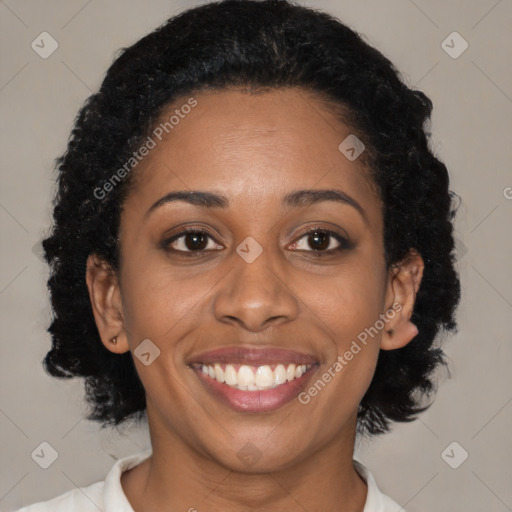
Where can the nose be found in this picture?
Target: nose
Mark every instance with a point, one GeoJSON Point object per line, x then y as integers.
{"type": "Point", "coordinates": [255, 295]}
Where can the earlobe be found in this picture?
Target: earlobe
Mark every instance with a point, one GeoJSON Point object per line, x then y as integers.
{"type": "Point", "coordinates": [104, 294]}
{"type": "Point", "coordinates": [404, 280]}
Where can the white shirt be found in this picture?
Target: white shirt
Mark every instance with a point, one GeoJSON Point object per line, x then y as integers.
{"type": "Point", "coordinates": [108, 496]}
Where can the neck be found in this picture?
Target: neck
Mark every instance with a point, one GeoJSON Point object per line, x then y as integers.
{"type": "Point", "coordinates": [177, 477]}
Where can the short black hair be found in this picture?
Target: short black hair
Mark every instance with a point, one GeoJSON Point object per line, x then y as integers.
{"type": "Point", "coordinates": [257, 45]}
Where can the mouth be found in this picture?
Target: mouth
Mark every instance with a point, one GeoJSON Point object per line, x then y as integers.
{"type": "Point", "coordinates": [254, 380]}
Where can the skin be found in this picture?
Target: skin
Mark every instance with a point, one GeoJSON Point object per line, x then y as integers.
{"type": "Point", "coordinates": [254, 149]}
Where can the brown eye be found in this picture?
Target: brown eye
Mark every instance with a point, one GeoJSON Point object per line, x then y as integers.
{"type": "Point", "coordinates": [321, 241]}
{"type": "Point", "coordinates": [191, 240]}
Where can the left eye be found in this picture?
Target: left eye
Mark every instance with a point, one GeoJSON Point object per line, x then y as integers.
{"type": "Point", "coordinates": [322, 241]}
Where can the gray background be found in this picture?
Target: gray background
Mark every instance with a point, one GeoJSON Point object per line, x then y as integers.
{"type": "Point", "coordinates": [471, 127]}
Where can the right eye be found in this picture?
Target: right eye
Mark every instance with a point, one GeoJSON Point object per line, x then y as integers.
{"type": "Point", "coordinates": [190, 240]}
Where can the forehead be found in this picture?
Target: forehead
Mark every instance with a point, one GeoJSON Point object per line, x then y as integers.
{"type": "Point", "coordinates": [250, 147]}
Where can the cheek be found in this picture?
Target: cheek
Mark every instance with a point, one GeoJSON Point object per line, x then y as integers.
{"type": "Point", "coordinates": [348, 301]}
{"type": "Point", "coordinates": [349, 305]}
{"type": "Point", "coordinates": [156, 300]}
{"type": "Point", "coordinates": [349, 308]}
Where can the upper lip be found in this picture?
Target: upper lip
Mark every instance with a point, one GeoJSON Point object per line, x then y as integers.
{"type": "Point", "coordinates": [252, 356]}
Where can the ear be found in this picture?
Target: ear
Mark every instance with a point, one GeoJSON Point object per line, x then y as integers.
{"type": "Point", "coordinates": [404, 280]}
{"type": "Point", "coordinates": [105, 297]}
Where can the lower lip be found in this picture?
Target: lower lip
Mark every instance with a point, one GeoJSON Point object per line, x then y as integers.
{"type": "Point", "coordinates": [255, 401]}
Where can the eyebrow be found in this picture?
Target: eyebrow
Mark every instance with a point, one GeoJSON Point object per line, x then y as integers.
{"type": "Point", "coordinates": [297, 198]}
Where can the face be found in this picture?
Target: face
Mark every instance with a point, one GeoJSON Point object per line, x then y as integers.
{"type": "Point", "coordinates": [266, 277]}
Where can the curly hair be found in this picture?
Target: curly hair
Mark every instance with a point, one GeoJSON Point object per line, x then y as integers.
{"type": "Point", "coordinates": [256, 44]}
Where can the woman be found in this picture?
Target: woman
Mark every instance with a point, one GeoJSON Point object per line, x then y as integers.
{"type": "Point", "coordinates": [252, 245]}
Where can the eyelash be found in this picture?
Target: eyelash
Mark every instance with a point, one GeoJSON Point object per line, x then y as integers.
{"type": "Point", "coordinates": [344, 242]}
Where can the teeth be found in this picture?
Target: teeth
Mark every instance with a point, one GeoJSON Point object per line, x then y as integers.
{"type": "Point", "coordinates": [250, 378]}
{"type": "Point", "coordinates": [279, 375]}
{"type": "Point", "coordinates": [264, 377]}
{"type": "Point", "coordinates": [245, 376]}
{"type": "Point", "coordinates": [230, 375]}
{"type": "Point", "coordinates": [219, 373]}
